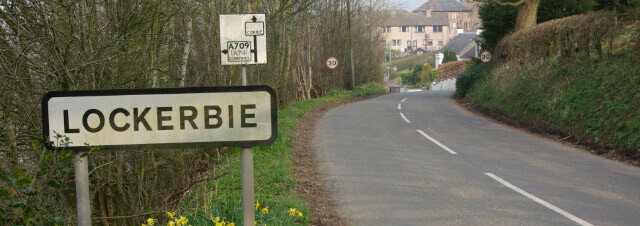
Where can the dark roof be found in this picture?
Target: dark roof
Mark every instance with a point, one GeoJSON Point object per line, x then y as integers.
{"type": "Point", "coordinates": [460, 42]}
{"type": "Point", "coordinates": [412, 19]}
{"type": "Point", "coordinates": [442, 6]}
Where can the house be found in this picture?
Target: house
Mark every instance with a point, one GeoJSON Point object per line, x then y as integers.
{"type": "Point", "coordinates": [464, 44]}
{"type": "Point", "coordinates": [410, 31]}
{"type": "Point", "coordinates": [459, 16]}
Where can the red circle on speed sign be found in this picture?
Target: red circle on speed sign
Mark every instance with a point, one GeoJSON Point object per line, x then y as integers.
{"type": "Point", "coordinates": [485, 56]}
{"type": "Point", "coordinates": [332, 63]}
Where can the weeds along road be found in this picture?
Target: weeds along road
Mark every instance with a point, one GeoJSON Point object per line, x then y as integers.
{"type": "Point", "coordinates": [419, 159]}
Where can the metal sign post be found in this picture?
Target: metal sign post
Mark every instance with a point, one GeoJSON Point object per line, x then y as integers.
{"type": "Point", "coordinates": [83, 204]}
{"type": "Point", "coordinates": [253, 36]}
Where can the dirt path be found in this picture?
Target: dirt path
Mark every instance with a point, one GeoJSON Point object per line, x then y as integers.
{"type": "Point", "coordinates": [308, 177]}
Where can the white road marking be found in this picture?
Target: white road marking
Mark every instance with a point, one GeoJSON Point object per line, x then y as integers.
{"type": "Point", "coordinates": [403, 100]}
{"type": "Point", "coordinates": [540, 201]}
{"type": "Point", "coordinates": [399, 106]}
{"type": "Point", "coordinates": [405, 118]}
{"type": "Point", "coordinates": [438, 143]}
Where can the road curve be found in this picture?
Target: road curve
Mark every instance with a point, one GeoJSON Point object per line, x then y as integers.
{"type": "Point", "coordinates": [419, 159]}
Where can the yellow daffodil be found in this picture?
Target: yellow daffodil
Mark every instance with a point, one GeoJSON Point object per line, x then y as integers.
{"type": "Point", "coordinates": [219, 224]}
{"type": "Point", "coordinates": [299, 214]}
{"type": "Point", "coordinates": [255, 223]}
{"type": "Point", "coordinates": [171, 223]}
{"type": "Point", "coordinates": [257, 205]}
{"type": "Point", "coordinates": [265, 210]}
{"type": "Point", "coordinates": [224, 223]}
{"type": "Point", "coordinates": [171, 215]}
{"type": "Point", "coordinates": [292, 211]}
{"type": "Point", "coordinates": [150, 222]}
{"type": "Point", "coordinates": [231, 224]}
{"type": "Point", "coordinates": [217, 220]}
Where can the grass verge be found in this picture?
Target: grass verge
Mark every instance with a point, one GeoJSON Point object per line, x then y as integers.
{"type": "Point", "coordinates": [590, 101]}
{"type": "Point", "coordinates": [274, 181]}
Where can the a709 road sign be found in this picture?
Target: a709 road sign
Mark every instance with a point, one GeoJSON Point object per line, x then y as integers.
{"type": "Point", "coordinates": [234, 116]}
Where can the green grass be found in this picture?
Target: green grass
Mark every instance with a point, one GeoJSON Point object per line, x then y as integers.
{"type": "Point", "coordinates": [407, 63]}
{"type": "Point", "coordinates": [274, 182]}
{"type": "Point", "coordinates": [595, 100]}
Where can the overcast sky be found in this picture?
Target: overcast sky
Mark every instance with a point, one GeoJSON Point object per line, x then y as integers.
{"type": "Point", "coordinates": [408, 5]}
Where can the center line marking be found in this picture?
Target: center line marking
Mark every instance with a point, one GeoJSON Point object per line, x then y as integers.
{"type": "Point", "coordinates": [540, 201]}
{"type": "Point", "coordinates": [399, 106]}
{"type": "Point", "coordinates": [405, 118]}
{"type": "Point", "coordinates": [438, 143]}
{"type": "Point", "coordinates": [403, 100]}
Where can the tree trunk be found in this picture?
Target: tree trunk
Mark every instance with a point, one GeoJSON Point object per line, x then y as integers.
{"type": "Point", "coordinates": [185, 53]}
{"type": "Point", "coordinates": [527, 14]}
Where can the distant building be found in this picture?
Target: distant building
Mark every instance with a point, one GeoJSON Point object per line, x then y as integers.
{"type": "Point", "coordinates": [408, 32]}
{"type": "Point", "coordinates": [459, 16]}
{"type": "Point", "coordinates": [465, 45]}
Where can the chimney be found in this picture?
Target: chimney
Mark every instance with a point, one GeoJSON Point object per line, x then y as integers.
{"type": "Point", "coordinates": [430, 8]}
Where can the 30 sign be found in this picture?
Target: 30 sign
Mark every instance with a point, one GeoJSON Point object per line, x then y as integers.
{"type": "Point", "coordinates": [485, 56]}
{"type": "Point", "coordinates": [332, 63]}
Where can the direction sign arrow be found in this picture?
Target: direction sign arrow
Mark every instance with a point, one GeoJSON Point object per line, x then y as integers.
{"type": "Point", "coordinates": [254, 19]}
{"type": "Point", "coordinates": [225, 51]}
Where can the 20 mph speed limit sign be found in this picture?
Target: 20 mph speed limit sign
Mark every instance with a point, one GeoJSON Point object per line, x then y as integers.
{"type": "Point", "coordinates": [485, 56]}
{"type": "Point", "coordinates": [332, 63]}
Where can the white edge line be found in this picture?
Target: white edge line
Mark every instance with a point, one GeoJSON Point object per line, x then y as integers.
{"type": "Point", "coordinates": [438, 143]}
{"type": "Point", "coordinates": [403, 100]}
{"type": "Point", "coordinates": [405, 118]}
{"type": "Point", "coordinates": [399, 106]}
{"type": "Point", "coordinates": [540, 201]}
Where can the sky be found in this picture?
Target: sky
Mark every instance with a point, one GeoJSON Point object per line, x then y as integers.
{"type": "Point", "coordinates": [408, 5]}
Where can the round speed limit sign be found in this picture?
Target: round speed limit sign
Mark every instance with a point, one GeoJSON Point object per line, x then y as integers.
{"type": "Point", "coordinates": [485, 56]}
{"type": "Point", "coordinates": [332, 63]}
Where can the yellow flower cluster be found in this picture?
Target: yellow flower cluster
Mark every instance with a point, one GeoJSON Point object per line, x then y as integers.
{"type": "Point", "coordinates": [150, 222]}
{"type": "Point", "coordinates": [177, 221]}
{"type": "Point", "coordinates": [293, 212]}
{"type": "Point", "coordinates": [222, 223]}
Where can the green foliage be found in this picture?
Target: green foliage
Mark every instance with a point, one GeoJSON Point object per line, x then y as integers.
{"type": "Point", "coordinates": [499, 20]}
{"type": "Point", "coordinates": [33, 197]}
{"type": "Point", "coordinates": [421, 76]}
{"type": "Point", "coordinates": [273, 174]}
{"type": "Point", "coordinates": [591, 100]}
{"type": "Point", "coordinates": [630, 9]}
{"type": "Point", "coordinates": [466, 80]}
{"type": "Point", "coordinates": [449, 56]}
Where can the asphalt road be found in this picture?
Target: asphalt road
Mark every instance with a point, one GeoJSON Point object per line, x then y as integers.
{"type": "Point", "coordinates": [437, 164]}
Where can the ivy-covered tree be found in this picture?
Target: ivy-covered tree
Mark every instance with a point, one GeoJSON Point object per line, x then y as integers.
{"type": "Point", "coordinates": [499, 20]}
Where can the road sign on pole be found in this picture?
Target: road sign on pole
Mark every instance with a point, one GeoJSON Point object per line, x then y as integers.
{"type": "Point", "coordinates": [179, 117]}
{"type": "Point", "coordinates": [332, 63]}
{"type": "Point", "coordinates": [243, 39]}
{"type": "Point", "coordinates": [485, 56]}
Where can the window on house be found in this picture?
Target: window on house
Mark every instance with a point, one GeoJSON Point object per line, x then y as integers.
{"type": "Point", "coordinates": [437, 28]}
{"type": "Point", "coordinates": [420, 29]}
{"type": "Point", "coordinates": [430, 42]}
{"type": "Point", "coordinates": [388, 29]}
{"type": "Point", "coordinates": [404, 28]}
{"type": "Point", "coordinates": [393, 42]}
{"type": "Point", "coordinates": [409, 43]}
{"type": "Point", "coordinates": [415, 43]}
{"type": "Point", "coordinates": [440, 42]}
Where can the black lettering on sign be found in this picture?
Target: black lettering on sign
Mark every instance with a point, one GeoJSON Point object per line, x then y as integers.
{"type": "Point", "coordinates": [207, 117]}
{"type": "Point", "coordinates": [230, 116]}
{"type": "Point", "coordinates": [163, 118]}
{"type": "Point", "coordinates": [190, 118]}
{"type": "Point", "coordinates": [138, 118]}
{"type": "Point", "coordinates": [85, 123]}
{"type": "Point", "coordinates": [66, 124]}
{"type": "Point", "coordinates": [244, 116]}
{"type": "Point", "coordinates": [112, 120]}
